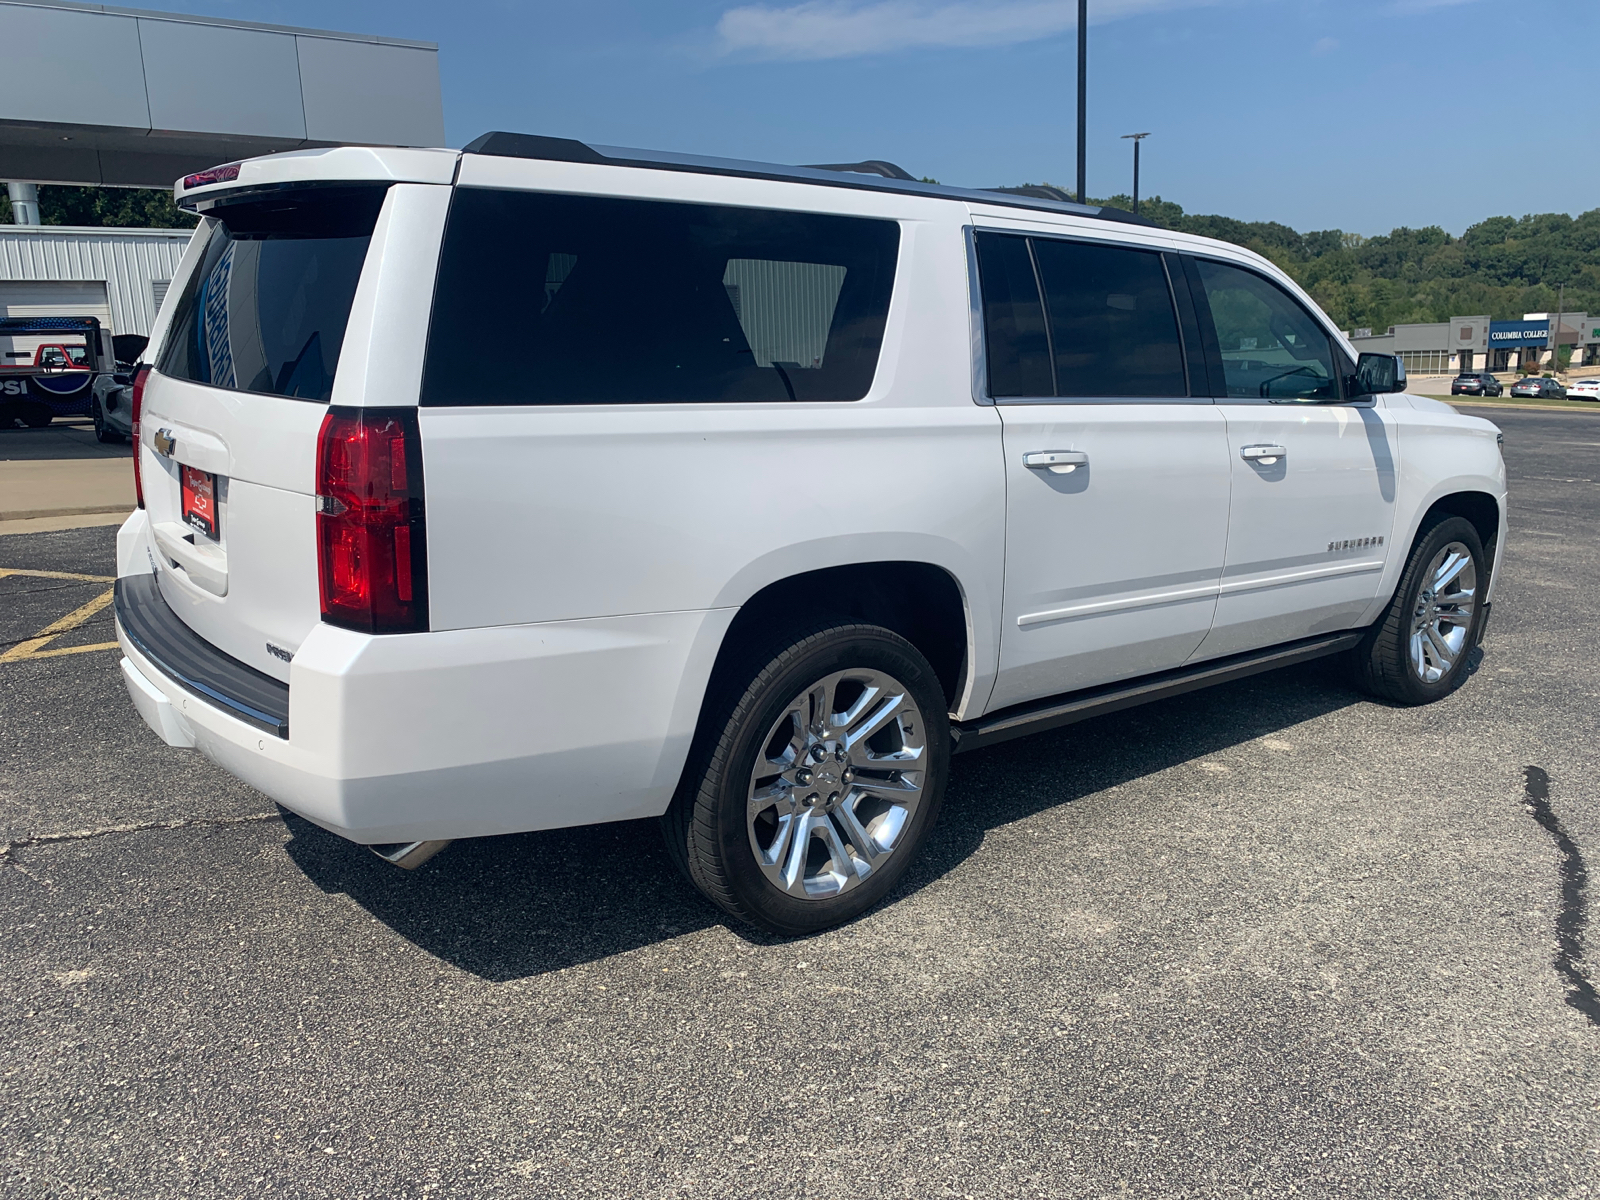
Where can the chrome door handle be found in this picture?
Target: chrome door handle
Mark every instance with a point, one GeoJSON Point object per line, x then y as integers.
{"type": "Point", "coordinates": [1265, 455]}
{"type": "Point", "coordinates": [1057, 462]}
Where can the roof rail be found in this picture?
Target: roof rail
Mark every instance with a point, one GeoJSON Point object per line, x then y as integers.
{"type": "Point", "coordinates": [1041, 191]}
{"type": "Point", "coordinates": [873, 175]}
{"type": "Point", "coordinates": [871, 166]}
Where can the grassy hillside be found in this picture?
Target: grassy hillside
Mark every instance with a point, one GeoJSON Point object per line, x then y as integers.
{"type": "Point", "coordinates": [1504, 266]}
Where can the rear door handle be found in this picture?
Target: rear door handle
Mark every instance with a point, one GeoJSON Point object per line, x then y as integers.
{"type": "Point", "coordinates": [1057, 462]}
{"type": "Point", "coordinates": [1265, 455]}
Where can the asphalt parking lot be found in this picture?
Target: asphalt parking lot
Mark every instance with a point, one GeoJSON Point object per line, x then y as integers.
{"type": "Point", "coordinates": [1273, 939]}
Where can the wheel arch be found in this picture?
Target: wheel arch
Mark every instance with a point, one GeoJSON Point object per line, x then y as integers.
{"type": "Point", "coordinates": [1478, 507]}
{"type": "Point", "coordinates": [1478, 499]}
{"type": "Point", "coordinates": [924, 602]}
{"type": "Point", "coordinates": [921, 601]}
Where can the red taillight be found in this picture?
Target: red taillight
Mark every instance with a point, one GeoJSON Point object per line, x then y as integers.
{"type": "Point", "coordinates": [371, 543]}
{"type": "Point", "coordinates": [139, 377]}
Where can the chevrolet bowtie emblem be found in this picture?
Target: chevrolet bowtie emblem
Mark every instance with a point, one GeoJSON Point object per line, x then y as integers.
{"type": "Point", "coordinates": [165, 442]}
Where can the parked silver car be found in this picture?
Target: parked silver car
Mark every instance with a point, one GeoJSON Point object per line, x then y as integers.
{"type": "Point", "coordinates": [1539, 387]}
{"type": "Point", "coordinates": [111, 405]}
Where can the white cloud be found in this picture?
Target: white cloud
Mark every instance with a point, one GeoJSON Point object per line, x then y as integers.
{"type": "Point", "coordinates": [1325, 45]}
{"type": "Point", "coordinates": [846, 28]}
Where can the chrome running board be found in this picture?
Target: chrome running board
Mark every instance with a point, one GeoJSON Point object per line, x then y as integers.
{"type": "Point", "coordinates": [1023, 719]}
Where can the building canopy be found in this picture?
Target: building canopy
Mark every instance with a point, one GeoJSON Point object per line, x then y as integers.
{"type": "Point", "coordinates": [99, 95]}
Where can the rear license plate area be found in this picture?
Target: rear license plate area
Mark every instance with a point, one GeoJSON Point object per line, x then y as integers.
{"type": "Point", "coordinates": [200, 500]}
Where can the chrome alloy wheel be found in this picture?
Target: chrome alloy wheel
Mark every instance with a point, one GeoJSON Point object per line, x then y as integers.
{"type": "Point", "coordinates": [1443, 614]}
{"type": "Point", "coordinates": [836, 783]}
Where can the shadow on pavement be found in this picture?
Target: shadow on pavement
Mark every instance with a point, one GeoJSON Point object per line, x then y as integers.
{"type": "Point", "coordinates": [56, 441]}
{"type": "Point", "coordinates": [509, 907]}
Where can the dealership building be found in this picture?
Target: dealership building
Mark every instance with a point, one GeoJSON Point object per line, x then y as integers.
{"type": "Point", "coordinates": [1479, 344]}
{"type": "Point", "coordinates": [128, 98]}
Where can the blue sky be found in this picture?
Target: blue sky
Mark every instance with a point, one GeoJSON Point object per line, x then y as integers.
{"type": "Point", "coordinates": [1355, 114]}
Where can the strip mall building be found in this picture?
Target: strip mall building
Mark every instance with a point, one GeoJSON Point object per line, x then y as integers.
{"type": "Point", "coordinates": [1479, 344]}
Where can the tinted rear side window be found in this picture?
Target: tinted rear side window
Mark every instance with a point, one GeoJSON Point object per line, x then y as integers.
{"type": "Point", "coordinates": [551, 299]}
{"type": "Point", "coordinates": [265, 311]}
{"type": "Point", "coordinates": [1015, 344]}
{"type": "Point", "coordinates": [1112, 325]}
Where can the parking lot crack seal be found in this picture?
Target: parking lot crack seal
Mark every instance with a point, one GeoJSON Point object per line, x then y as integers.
{"type": "Point", "coordinates": [1574, 916]}
{"type": "Point", "coordinates": [79, 835]}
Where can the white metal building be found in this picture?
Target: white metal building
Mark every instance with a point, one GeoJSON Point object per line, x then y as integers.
{"type": "Point", "coordinates": [92, 94]}
{"type": "Point", "coordinates": [117, 275]}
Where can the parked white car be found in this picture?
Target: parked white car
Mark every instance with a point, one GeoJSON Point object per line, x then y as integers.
{"type": "Point", "coordinates": [774, 488]}
{"type": "Point", "coordinates": [1584, 389]}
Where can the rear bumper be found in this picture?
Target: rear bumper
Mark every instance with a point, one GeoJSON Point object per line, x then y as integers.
{"type": "Point", "coordinates": [119, 419]}
{"type": "Point", "coordinates": [453, 734]}
{"type": "Point", "coordinates": [183, 656]}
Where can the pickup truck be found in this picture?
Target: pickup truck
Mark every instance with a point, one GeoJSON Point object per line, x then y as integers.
{"type": "Point", "coordinates": [55, 356]}
{"type": "Point", "coordinates": [58, 381]}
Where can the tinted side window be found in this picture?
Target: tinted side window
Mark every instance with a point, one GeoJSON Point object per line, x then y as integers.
{"type": "Point", "coordinates": [1015, 344]}
{"type": "Point", "coordinates": [1271, 347]}
{"type": "Point", "coordinates": [1112, 324]}
{"type": "Point", "coordinates": [550, 299]}
{"type": "Point", "coordinates": [266, 308]}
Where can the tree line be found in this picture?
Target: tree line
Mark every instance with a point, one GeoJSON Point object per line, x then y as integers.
{"type": "Point", "coordinates": [1502, 266]}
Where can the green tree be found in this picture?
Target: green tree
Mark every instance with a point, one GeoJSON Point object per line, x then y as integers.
{"type": "Point", "coordinates": [1502, 266]}
{"type": "Point", "coordinates": [144, 208]}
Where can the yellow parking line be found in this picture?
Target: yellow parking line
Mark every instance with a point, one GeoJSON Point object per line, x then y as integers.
{"type": "Point", "coordinates": [34, 646]}
{"type": "Point", "coordinates": [66, 650]}
{"type": "Point", "coordinates": [4, 571]}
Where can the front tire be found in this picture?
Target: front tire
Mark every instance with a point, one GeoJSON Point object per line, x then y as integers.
{"type": "Point", "coordinates": [1418, 651]}
{"type": "Point", "coordinates": [815, 780]}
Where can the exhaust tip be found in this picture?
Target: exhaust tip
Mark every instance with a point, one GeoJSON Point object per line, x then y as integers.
{"type": "Point", "coordinates": [408, 855]}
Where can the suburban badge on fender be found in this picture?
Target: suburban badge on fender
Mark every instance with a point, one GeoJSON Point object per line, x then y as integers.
{"type": "Point", "coordinates": [1355, 543]}
{"type": "Point", "coordinates": [165, 443]}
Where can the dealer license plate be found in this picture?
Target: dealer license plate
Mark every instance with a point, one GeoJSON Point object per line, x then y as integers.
{"type": "Point", "coordinates": [200, 500]}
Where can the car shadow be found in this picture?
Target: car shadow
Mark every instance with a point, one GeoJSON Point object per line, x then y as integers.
{"type": "Point", "coordinates": [506, 908]}
{"type": "Point", "coordinates": [61, 439]}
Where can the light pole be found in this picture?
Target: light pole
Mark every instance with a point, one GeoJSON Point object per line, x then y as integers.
{"type": "Point", "coordinates": [1555, 332]}
{"type": "Point", "coordinates": [1083, 101]}
{"type": "Point", "coordinates": [1135, 138]}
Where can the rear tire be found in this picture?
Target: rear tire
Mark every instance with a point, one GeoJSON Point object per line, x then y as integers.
{"type": "Point", "coordinates": [817, 774]}
{"type": "Point", "coordinates": [1419, 649]}
{"type": "Point", "coordinates": [102, 432]}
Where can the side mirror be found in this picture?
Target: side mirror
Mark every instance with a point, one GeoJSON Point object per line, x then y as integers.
{"type": "Point", "coordinates": [1377, 374]}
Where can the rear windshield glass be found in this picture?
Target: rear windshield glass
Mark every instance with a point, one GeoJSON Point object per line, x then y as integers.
{"type": "Point", "coordinates": [266, 308]}
{"type": "Point", "coordinates": [592, 300]}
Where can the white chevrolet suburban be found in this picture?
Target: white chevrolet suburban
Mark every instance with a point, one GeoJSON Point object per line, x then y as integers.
{"type": "Point", "coordinates": [543, 484]}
